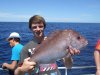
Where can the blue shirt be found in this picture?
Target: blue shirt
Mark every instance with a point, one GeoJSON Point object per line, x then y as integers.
{"type": "Point", "coordinates": [16, 52]}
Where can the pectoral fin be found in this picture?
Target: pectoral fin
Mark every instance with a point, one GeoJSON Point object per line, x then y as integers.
{"type": "Point", "coordinates": [68, 61]}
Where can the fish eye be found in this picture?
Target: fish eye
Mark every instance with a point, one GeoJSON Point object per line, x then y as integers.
{"type": "Point", "coordinates": [78, 37]}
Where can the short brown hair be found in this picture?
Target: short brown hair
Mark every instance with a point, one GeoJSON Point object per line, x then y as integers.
{"type": "Point", "coordinates": [36, 19]}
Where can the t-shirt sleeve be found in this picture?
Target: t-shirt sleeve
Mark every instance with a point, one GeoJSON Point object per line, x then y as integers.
{"type": "Point", "coordinates": [23, 54]}
{"type": "Point", "coordinates": [98, 45]}
{"type": "Point", "coordinates": [25, 51]}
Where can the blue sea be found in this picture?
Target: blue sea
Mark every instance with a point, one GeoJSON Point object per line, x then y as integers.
{"type": "Point", "coordinates": [91, 31]}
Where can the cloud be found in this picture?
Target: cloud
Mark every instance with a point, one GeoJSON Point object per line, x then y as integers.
{"type": "Point", "coordinates": [13, 17]}
{"type": "Point", "coordinates": [64, 19]}
{"type": "Point", "coordinates": [86, 15]}
{"type": "Point", "coordinates": [16, 17]}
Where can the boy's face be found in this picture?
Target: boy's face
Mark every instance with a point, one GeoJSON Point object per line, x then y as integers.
{"type": "Point", "coordinates": [11, 42]}
{"type": "Point", "coordinates": [37, 29]}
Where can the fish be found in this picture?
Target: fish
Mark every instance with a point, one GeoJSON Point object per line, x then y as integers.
{"type": "Point", "coordinates": [57, 46]}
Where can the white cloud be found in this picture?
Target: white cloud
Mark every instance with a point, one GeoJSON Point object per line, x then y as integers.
{"type": "Point", "coordinates": [86, 15]}
{"type": "Point", "coordinates": [13, 17]}
{"type": "Point", "coordinates": [64, 19]}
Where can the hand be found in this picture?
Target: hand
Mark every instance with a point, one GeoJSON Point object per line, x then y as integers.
{"type": "Point", "coordinates": [27, 65]}
{"type": "Point", "coordinates": [74, 51]}
{"type": "Point", "coordinates": [4, 65]}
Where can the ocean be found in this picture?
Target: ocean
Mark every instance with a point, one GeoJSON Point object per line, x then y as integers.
{"type": "Point", "coordinates": [91, 31]}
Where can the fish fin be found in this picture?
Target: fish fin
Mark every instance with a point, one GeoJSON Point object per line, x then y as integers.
{"type": "Point", "coordinates": [68, 62]}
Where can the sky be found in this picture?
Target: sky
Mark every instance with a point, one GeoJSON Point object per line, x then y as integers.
{"type": "Point", "coordinates": [85, 11]}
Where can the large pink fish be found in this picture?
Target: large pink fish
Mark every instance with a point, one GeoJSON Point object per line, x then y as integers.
{"type": "Point", "coordinates": [57, 46]}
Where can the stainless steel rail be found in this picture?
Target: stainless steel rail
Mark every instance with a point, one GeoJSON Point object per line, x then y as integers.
{"type": "Point", "coordinates": [64, 68]}
{"type": "Point", "coordinates": [80, 67]}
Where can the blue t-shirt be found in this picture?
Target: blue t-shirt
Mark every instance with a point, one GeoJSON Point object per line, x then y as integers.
{"type": "Point", "coordinates": [16, 52]}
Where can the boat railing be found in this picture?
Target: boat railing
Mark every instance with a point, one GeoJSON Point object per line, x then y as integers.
{"type": "Point", "coordinates": [64, 68]}
{"type": "Point", "coordinates": [80, 67]}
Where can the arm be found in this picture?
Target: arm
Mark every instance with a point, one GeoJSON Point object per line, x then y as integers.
{"type": "Point", "coordinates": [27, 65]}
{"type": "Point", "coordinates": [10, 66]}
{"type": "Point", "coordinates": [97, 61]}
{"type": "Point", "coordinates": [97, 58]}
{"type": "Point", "coordinates": [19, 71]}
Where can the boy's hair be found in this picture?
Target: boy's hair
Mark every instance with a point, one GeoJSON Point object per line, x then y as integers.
{"type": "Point", "coordinates": [15, 39]}
{"type": "Point", "coordinates": [36, 19]}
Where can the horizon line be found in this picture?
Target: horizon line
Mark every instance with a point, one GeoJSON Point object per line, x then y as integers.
{"type": "Point", "coordinates": [53, 21]}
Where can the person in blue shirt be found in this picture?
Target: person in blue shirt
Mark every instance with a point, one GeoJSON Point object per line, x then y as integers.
{"type": "Point", "coordinates": [14, 41]}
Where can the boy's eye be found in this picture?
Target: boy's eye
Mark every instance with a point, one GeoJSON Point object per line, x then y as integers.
{"type": "Point", "coordinates": [40, 26]}
{"type": "Point", "coordinates": [34, 27]}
